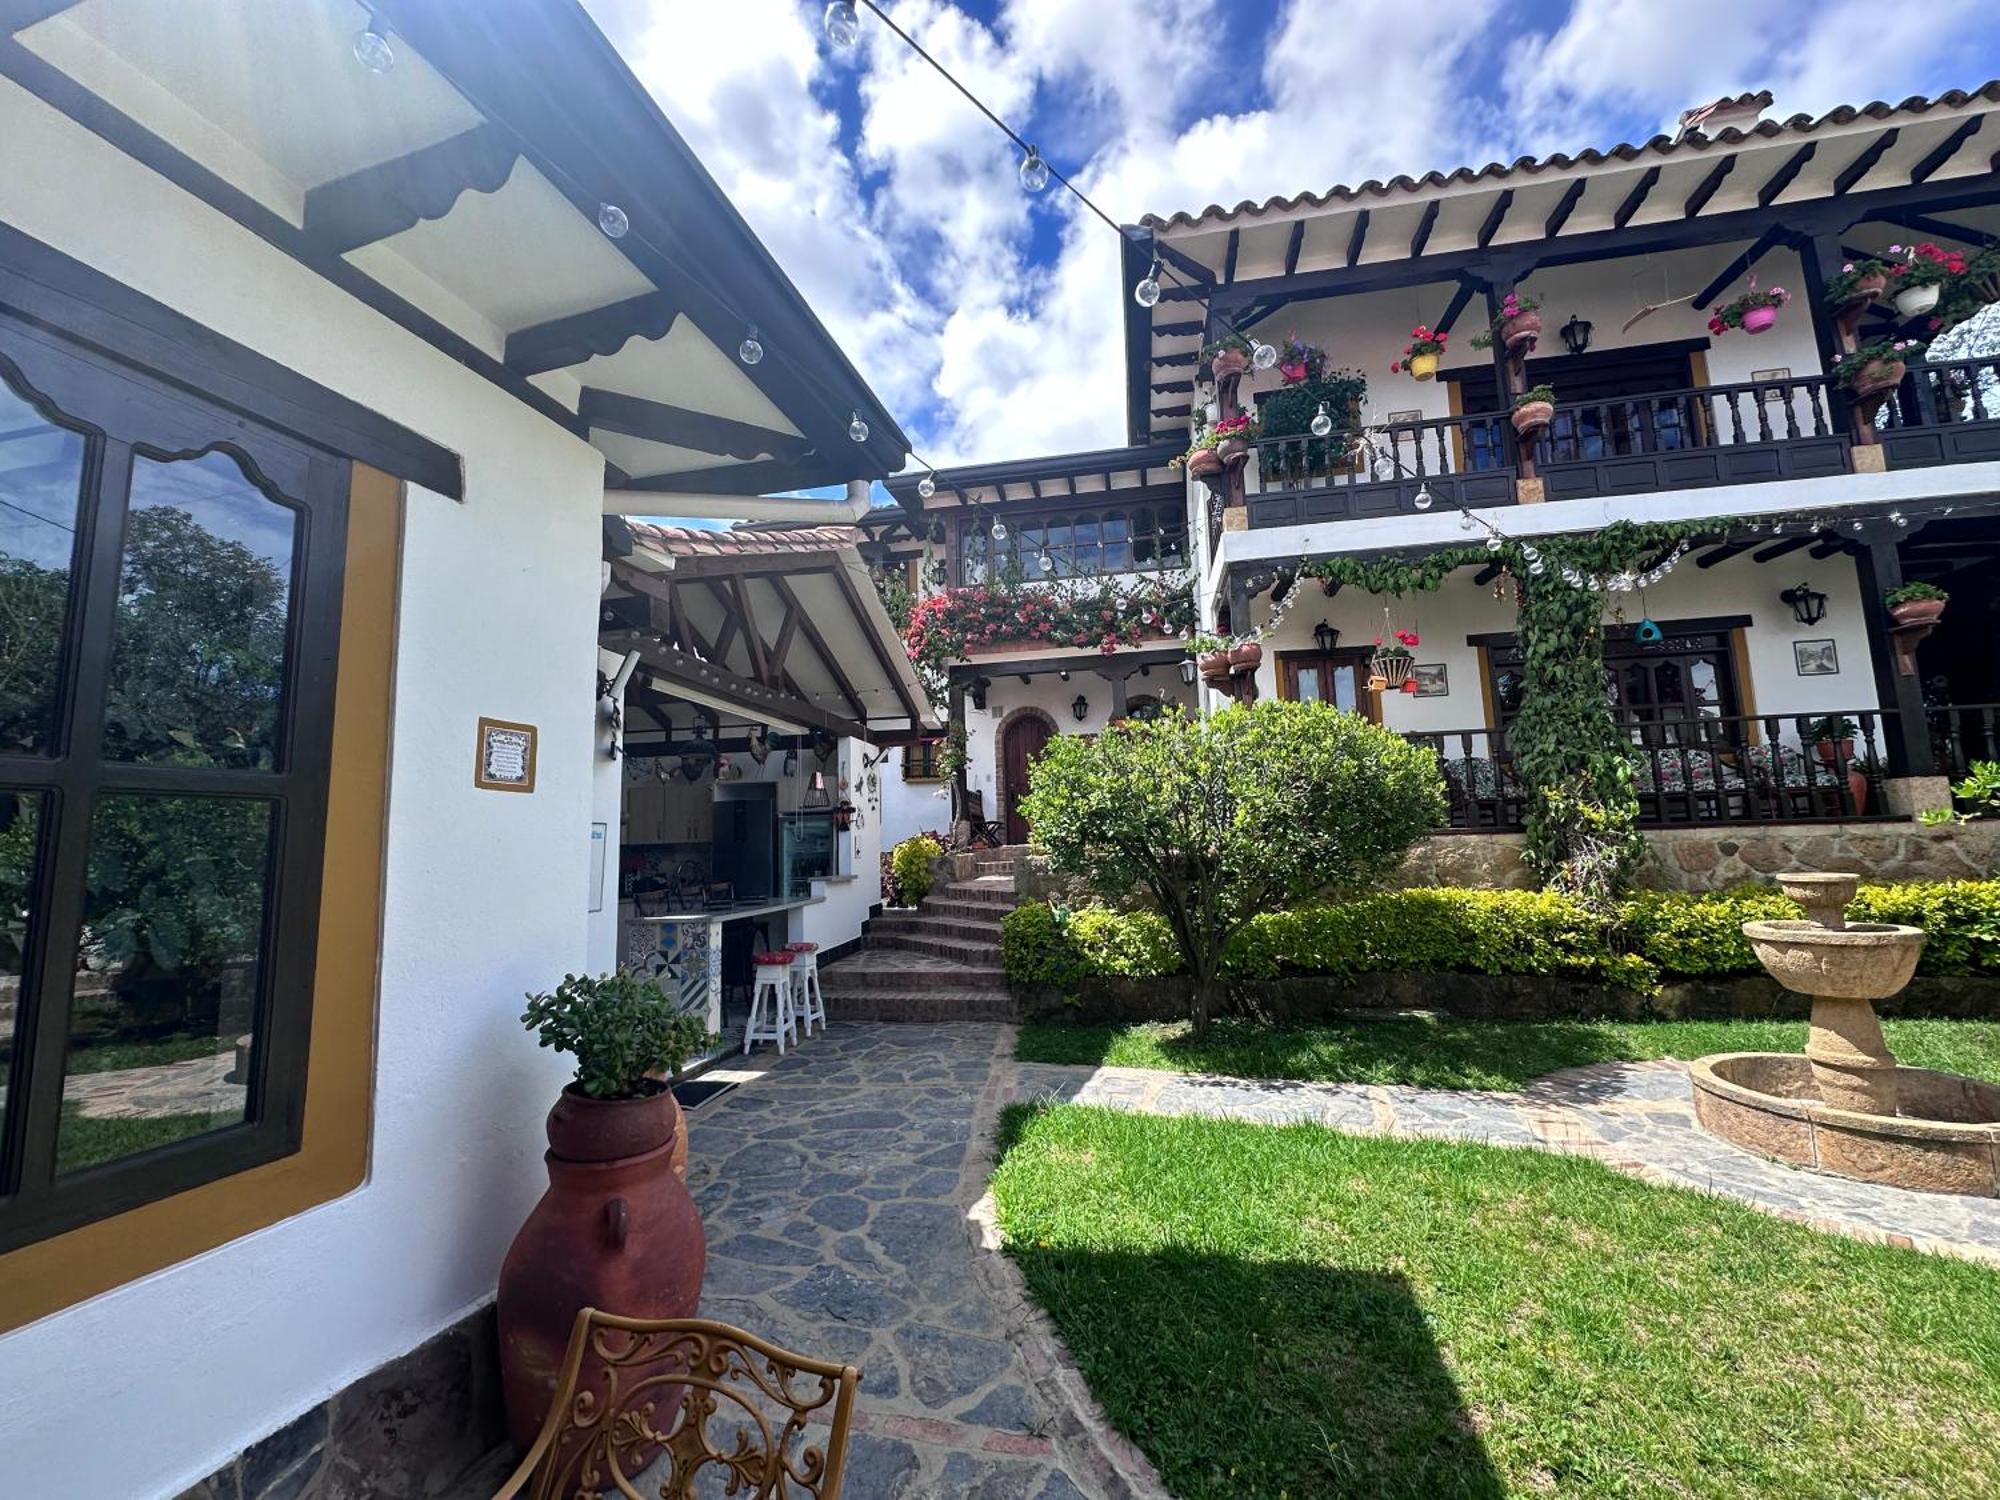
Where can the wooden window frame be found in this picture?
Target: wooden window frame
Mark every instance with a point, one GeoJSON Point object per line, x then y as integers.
{"type": "Point", "coordinates": [1292, 663]}
{"type": "Point", "coordinates": [127, 418]}
{"type": "Point", "coordinates": [923, 754]}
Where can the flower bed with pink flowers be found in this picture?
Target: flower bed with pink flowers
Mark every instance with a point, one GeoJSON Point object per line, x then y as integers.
{"type": "Point", "coordinates": [956, 623]}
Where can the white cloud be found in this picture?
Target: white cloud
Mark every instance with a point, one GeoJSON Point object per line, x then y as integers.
{"type": "Point", "coordinates": [915, 249]}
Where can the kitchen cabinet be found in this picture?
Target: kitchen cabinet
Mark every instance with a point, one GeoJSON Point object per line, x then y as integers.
{"type": "Point", "coordinates": [659, 812]}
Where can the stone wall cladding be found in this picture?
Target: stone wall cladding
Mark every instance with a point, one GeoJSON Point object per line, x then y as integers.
{"type": "Point", "coordinates": [1714, 859]}
{"type": "Point", "coordinates": [411, 1430]}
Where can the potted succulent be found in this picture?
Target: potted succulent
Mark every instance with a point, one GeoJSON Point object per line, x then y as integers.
{"type": "Point", "coordinates": [616, 1227]}
{"type": "Point", "coordinates": [1228, 355]}
{"type": "Point", "coordinates": [1859, 283]}
{"type": "Point", "coordinates": [1520, 322]}
{"type": "Point", "coordinates": [1877, 368]}
{"type": "Point", "coordinates": [1393, 658]}
{"type": "Point", "coordinates": [1923, 275]}
{"type": "Point", "coordinates": [1754, 312]}
{"type": "Point", "coordinates": [1299, 362]}
{"type": "Point", "coordinates": [1420, 355]}
{"type": "Point", "coordinates": [1916, 603]}
{"type": "Point", "coordinates": [1534, 409]}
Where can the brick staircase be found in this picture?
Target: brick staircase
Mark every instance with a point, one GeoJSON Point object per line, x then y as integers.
{"type": "Point", "coordinates": [939, 962]}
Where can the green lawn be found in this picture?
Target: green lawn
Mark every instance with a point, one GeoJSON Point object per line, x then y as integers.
{"type": "Point", "coordinates": [1445, 1053]}
{"type": "Point", "coordinates": [1294, 1314]}
{"type": "Point", "coordinates": [87, 1143]}
{"type": "Point", "coordinates": [117, 1057]}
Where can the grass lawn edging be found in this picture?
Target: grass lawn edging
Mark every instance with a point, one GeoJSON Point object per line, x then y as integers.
{"type": "Point", "coordinates": [1503, 955]}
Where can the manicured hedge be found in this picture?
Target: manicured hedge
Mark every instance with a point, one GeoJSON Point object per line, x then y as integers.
{"type": "Point", "coordinates": [1657, 937]}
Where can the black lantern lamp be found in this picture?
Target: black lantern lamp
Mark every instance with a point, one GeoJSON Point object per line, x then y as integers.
{"type": "Point", "coordinates": [1081, 708]}
{"type": "Point", "coordinates": [1576, 334]}
{"type": "Point", "coordinates": [1325, 637]}
{"type": "Point", "coordinates": [1808, 604]}
{"type": "Point", "coordinates": [1188, 670]}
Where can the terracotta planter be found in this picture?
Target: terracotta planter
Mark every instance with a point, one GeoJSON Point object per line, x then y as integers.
{"type": "Point", "coordinates": [1215, 669]}
{"type": "Point", "coordinates": [615, 1230]}
{"type": "Point", "coordinates": [1877, 377]}
{"type": "Point", "coordinates": [1246, 657]}
{"type": "Point", "coordinates": [1532, 416]}
{"type": "Point", "coordinates": [1918, 612]}
{"type": "Point", "coordinates": [1232, 450]}
{"type": "Point", "coordinates": [1424, 366]}
{"type": "Point", "coordinates": [1229, 362]}
{"type": "Point", "coordinates": [1857, 787]}
{"type": "Point", "coordinates": [1522, 329]}
{"type": "Point", "coordinates": [1393, 669]}
{"type": "Point", "coordinates": [1759, 319]}
{"type": "Point", "coordinates": [1867, 289]}
{"type": "Point", "coordinates": [1835, 752]}
{"type": "Point", "coordinates": [1204, 461]}
{"type": "Point", "coordinates": [1915, 301]}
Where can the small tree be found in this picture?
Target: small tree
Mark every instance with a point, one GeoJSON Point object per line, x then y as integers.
{"type": "Point", "coordinates": [1224, 817]}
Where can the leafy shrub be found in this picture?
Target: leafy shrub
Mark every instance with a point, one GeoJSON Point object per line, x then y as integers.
{"type": "Point", "coordinates": [619, 1027]}
{"type": "Point", "coordinates": [1449, 931]}
{"type": "Point", "coordinates": [911, 867]}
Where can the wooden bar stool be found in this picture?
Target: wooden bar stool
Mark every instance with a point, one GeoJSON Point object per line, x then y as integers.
{"type": "Point", "coordinates": [808, 1004]}
{"type": "Point", "coordinates": [772, 983]}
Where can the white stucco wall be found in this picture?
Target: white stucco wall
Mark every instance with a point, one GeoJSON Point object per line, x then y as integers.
{"type": "Point", "coordinates": [485, 898]}
{"type": "Point", "coordinates": [911, 807]}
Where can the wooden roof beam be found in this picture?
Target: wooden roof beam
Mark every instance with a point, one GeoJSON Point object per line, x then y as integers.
{"type": "Point", "coordinates": [1946, 149]}
{"type": "Point", "coordinates": [571, 340]}
{"type": "Point", "coordinates": [1763, 244]}
{"type": "Point", "coordinates": [1424, 227]}
{"type": "Point", "coordinates": [1705, 190]}
{"type": "Point", "coordinates": [1495, 217]}
{"type": "Point", "coordinates": [389, 197]}
{"type": "Point", "coordinates": [635, 416]}
{"type": "Point", "coordinates": [1566, 206]}
{"type": "Point", "coordinates": [1782, 178]}
{"type": "Point", "coordinates": [1863, 164]}
{"type": "Point", "coordinates": [1778, 549]}
{"type": "Point", "coordinates": [1456, 306]}
{"type": "Point", "coordinates": [1293, 245]}
{"type": "Point", "coordinates": [842, 683]}
{"type": "Point", "coordinates": [1186, 264]}
{"type": "Point", "coordinates": [1358, 238]}
{"type": "Point", "coordinates": [1634, 198]}
{"type": "Point", "coordinates": [1229, 255]}
{"type": "Point", "coordinates": [1942, 229]}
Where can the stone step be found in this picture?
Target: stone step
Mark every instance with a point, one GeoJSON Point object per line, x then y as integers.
{"type": "Point", "coordinates": [870, 971]}
{"type": "Point", "coordinates": [922, 1005]}
{"type": "Point", "coordinates": [954, 949]}
{"type": "Point", "coordinates": [998, 893]}
{"type": "Point", "coordinates": [990, 912]}
{"type": "Point", "coordinates": [933, 924]}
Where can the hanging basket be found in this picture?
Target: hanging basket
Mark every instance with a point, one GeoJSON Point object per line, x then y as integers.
{"type": "Point", "coordinates": [1393, 667]}
{"type": "Point", "coordinates": [1915, 301]}
{"type": "Point", "coordinates": [1759, 319]}
{"type": "Point", "coordinates": [1424, 366]}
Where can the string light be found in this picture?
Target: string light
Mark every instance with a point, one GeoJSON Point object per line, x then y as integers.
{"type": "Point", "coordinates": [372, 49]}
{"type": "Point", "coordinates": [857, 429]}
{"type": "Point", "coordinates": [999, 532]}
{"type": "Point", "coordinates": [1262, 355]}
{"type": "Point", "coordinates": [1147, 292]}
{"type": "Point", "coordinates": [1322, 424]}
{"type": "Point", "coordinates": [927, 486]}
{"type": "Point", "coordinates": [843, 26]}
{"type": "Point", "coordinates": [612, 220]}
{"type": "Point", "coordinates": [751, 350]}
{"type": "Point", "coordinates": [1422, 499]}
{"type": "Point", "coordinates": [1034, 171]}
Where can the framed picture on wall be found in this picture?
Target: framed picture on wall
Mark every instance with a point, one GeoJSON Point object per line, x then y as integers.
{"type": "Point", "coordinates": [1816, 658]}
{"type": "Point", "coordinates": [1431, 680]}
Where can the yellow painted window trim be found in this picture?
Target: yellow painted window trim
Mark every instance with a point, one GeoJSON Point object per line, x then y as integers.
{"type": "Point", "coordinates": [332, 1158]}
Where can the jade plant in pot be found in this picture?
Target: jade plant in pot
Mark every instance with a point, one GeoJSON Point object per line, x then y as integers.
{"type": "Point", "coordinates": [616, 1229]}
{"type": "Point", "coordinates": [1534, 409]}
{"type": "Point", "coordinates": [1916, 603]}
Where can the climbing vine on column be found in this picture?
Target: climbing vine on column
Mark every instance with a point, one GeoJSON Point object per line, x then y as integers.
{"type": "Point", "coordinates": [1573, 759]}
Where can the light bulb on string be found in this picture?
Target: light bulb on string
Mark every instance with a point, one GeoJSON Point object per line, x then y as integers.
{"type": "Point", "coordinates": [1147, 292]}
{"type": "Point", "coordinates": [1034, 171]}
{"type": "Point", "coordinates": [843, 26]}
{"type": "Point", "coordinates": [612, 220]}
{"type": "Point", "coordinates": [1465, 521]}
{"type": "Point", "coordinates": [1046, 563]}
{"type": "Point", "coordinates": [1493, 543]}
{"type": "Point", "coordinates": [751, 350]}
{"type": "Point", "coordinates": [999, 531]}
{"type": "Point", "coordinates": [1262, 355]}
{"type": "Point", "coordinates": [1538, 567]}
{"type": "Point", "coordinates": [1899, 518]}
{"type": "Point", "coordinates": [1854, 525]}
{"type": "Point", "coordinates": [927, 486]}
{"type": "Point", "coordinates": [1322, 424]}
{"type": "Point", "coordinates": [1422, 499]}
{"type": "Point", "coordinates": [857, 429]}
{"type": "Point", "coordinates": [372, 49]}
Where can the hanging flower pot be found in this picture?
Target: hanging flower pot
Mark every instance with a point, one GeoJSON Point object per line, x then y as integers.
{"type": "Point", "coordinates": [1392, 664]}
{"type": "Point", "coordinates": [1916, 604]}
{"type": "Point", "coordinates": [1245, 656]}
{"type": "Point", "coordinates": [1760, 319]}
{"type": "Point", "coordinates": [1229, 361]}
{"type": "Point", "coordinates": [1756, 311]}
{"type": "Point", "coordinates": [1915, 301]}
{"type": "Point", "coordinates": [1875, 369]}
{"type": "Point", "coordinates": [1534, 410]}
{"type": "Point", "coordinates": [1204, 461]}
{"type": "Point", "coordinates": [1215, 668]}
{"type": "Point", "coordinates": [1424, 366]}
{"type": "Point", "coordinates": [1420, 355]}
{"type": "Point", "coordinates": [1523, 328]}
{"type": "Point", "coordinates": [1867, 288]}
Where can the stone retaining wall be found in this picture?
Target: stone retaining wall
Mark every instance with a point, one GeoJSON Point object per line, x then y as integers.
{"type": "Point", "coordinates": [1713, 859]}
{"type": "Point", "coordinates": [1497, 997]}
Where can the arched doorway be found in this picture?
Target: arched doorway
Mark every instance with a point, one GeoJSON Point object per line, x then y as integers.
{"type": "Point", "coordinates": [1021, 740]}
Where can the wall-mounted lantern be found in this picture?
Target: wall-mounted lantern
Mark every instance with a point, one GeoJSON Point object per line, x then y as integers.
{"type": "Point", "coordinates": [1808, 604]}
{"type": "Point", "coordinates": [1188, 670]}
{"type": "Point", "coordinates": [1081, 708]}
{"type": "Point", "coordinates": [1325, 637]}
{"type": "Point", "coordinates": [1576, 334]}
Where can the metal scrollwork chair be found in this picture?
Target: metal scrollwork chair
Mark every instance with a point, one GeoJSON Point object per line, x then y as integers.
{"type": "Point", "coordinates": [645, 1406]}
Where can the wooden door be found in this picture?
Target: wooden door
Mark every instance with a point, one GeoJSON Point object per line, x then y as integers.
{"type": "Point", "coordinates": [1024, 740]}
{"type": "Point", "coordinates": [1340, 679]}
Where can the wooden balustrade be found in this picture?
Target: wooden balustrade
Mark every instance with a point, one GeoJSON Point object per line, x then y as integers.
{"type": "Point", "coordinates": [1962, 733]}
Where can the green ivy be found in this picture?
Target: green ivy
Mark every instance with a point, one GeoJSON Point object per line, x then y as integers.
{"type": "Point", "coordinates": [1568, 749]}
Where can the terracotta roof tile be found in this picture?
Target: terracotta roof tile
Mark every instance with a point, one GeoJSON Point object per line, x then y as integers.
{"type": "Point", "coordinates": [1662, 145]}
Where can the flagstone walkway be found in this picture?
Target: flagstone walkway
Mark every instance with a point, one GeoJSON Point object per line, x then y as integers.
{"type": "Point", "coordinates": [843, 1188]}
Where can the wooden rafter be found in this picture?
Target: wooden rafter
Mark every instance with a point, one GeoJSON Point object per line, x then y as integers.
{"type": "Point", "coordinates": [1763, 244]}
{"type": "Point", "coordinates": [676, 669]}
{"type": "Point", "coordinates": [656, 421]}
{"type": "Point", "coordinates": [1456, 306]}
{"type": "Point", "coordinates": [1495, 217]}
{"type": "Point", "coordinates": [1778, 549]}
{"type": "Point", "coordinates": [890, 665]}
{"type": "Point", "coordinates": [1946, 149]}
{"type": "Point", "coordinates": [1863, 164]}
{"type": "Point", "coordinates": [392, 196]}
{"type": "Point", "coordinates": [827, 659]}
{"type": "Point", "coordinates": [1229, 255]}
{"type": "Point", "coordinates": [1565, 206]}
{"type": "Point", "coordinates": [1424, 227]}
{"type": "Point", "coordinates": [1782, 178]}
{"type": "Point", "coordinates": [760, 665]}
{"type": "Point", "coordinates": [1706, 189]}
{"type": "Point", "coordinates": [1634, 198]}
{"type": "Point", "coordinates": [1358, 238]}
{"type": "Point", "coordinates": [1293, 245]}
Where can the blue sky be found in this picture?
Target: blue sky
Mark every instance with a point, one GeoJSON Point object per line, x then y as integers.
{"type": "Point", "coordinates": [988, 321]}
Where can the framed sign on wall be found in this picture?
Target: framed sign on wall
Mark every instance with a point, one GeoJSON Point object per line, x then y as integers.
{"type": "Point", "coordinates": [506, 756]}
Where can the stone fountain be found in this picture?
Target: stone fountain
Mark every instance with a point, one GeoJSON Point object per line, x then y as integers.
{"type": "Point", "coordinates": [1846, 1106]}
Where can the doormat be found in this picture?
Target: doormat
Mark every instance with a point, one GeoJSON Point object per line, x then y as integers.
{"type": "Point", "coordinates": [698, 1091]}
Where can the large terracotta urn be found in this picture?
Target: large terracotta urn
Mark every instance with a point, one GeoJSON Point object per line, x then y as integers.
{"type": "Point", "coordinates": [616, 1230]}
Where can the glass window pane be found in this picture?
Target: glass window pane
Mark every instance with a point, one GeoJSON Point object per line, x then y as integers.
{"type": "Point", "coordinates": [41, 481]}
{"type": "Point", "coordinates": [1083, 545]}
{"type": "Point", "coordinates": [1347, 687]}
{"type": "Point", "coordinates": [198, 653]}
{"type": "Point", "coordinates": [167, 973]}
{"type": "Point", "coordinates": [20, 827]}
{"type": "Point", "coordinates": [1308, 683]}
{"type": "Point", "coordinates": [1117, 543]}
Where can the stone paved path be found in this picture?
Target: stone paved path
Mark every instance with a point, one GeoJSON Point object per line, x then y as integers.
{"type": "Point", "coordinates": [843, 1189]}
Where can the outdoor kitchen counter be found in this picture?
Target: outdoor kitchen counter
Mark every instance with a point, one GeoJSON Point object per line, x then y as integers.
{"type": "Point", "coordinates": [682, 950]}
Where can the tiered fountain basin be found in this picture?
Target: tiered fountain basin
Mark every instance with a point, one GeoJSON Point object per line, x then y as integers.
{"type": "Point", "coordinates": [1845, 1105]}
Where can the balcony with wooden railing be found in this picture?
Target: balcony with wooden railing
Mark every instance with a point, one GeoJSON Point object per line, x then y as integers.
{"type": "Point", "coordinates": [1741, 433]}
